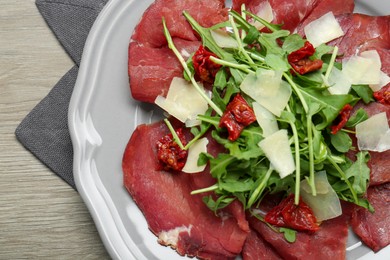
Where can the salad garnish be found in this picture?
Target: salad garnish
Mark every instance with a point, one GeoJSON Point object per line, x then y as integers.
{"type": "Point", "coordinates": [271, 89]}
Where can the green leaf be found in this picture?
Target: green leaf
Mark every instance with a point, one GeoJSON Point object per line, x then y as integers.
{"type": "Point", "coordinates": [364, 92]}
{"type": "Point", "coordinates": [220, 203]}
{"type": "Point", "coordinates": [341, 141]}
{"type": "Point", "coordinates": [332, 104]}
{"type": "Point", "coordinates": [289, 234]}
{"type": "Point", "coordinates": [293, 42]}
{"type": "Point", "coordinates": [277, 62]}
{"type": "Point", "coordinates": [359, 173]}
{"type": "Point", "coordinates": [239, 185]}
{"type": "Point", "coordinates": [322, 50]}
{"type": "Point", "coordinates": [360, 116]}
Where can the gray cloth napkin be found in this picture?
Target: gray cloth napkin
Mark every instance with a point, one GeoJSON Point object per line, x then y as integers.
{"type": "Point", "coordinates": [44, 131]}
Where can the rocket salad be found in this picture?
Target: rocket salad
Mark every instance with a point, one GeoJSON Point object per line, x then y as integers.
{"type": "Point", "coordinates": [271, 108]}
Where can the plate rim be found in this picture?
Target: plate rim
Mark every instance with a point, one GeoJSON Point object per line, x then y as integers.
{"type": "Point", "coordinates": [85, 140]}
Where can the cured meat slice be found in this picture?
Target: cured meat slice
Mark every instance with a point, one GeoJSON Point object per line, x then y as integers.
{"type": "Point", "coordinates": [379, 163]}
{"type": "Point", "coordinates": [151, 65]}
{"type": "Point", "coordinates": [151, 69]}
{"type": "Point", "coordinates": [257, 248]}
{"type": "Point", "coordinates": [149, 31]}
{"type": "Point", "coordinates": [329, 242]}
{"type": "Point", "coordinates": [324, 6]}
{"type": "Point", "coordinates": [363, 32]}
{"type": "Point", "coordinates": [179, 219]}
{"type": "Point", "coordinates": [374, 229]}
{"type": "Point", "coordinates": [288, 13]}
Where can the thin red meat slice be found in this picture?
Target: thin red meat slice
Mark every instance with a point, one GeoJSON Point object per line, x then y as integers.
{"type": "Point", "coordinates": [329, 242]}
{"type": "Point", "coordinates": [151, 64]}
{"type": "Point", "coordinates": [257, 248]}
{"type": "Point", "coordinates": [374, 229]}
{"type": "Point", "coordinates": [337, 7]}
{"type": "Point", "coordinates": [379, 163]}
{"type": "Point", "coordinates": [149, 31]}
{"type": "Point", "coordinates": [363, 32]}
{"type": "Point", "coordinates": [288, 13]}
{"type": "Point", "coordinates": [165, 200]}
{"type": "Point", "coordinates": [151, 70]}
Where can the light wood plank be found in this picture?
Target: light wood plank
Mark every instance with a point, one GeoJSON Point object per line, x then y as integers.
{"type": "Point", "coordinates": [41, 217]}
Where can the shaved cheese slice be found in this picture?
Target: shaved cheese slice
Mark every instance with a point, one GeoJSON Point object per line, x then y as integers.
{"type": "Point", "coordinates": [323, 30]}
{"type": "Point", "coordinates": [339, 83]}
{"type": "Point", "coordinates": [326, 203]}
{"type": "Point", "coordinates": [265, 12]}
{"type": "Point", "coordinates": [363, 69]}
{"type": "Point", "coordinates": [268, 89]}
{"type": "Point", "coordinates": [374, 134]}
{"type": "Point", "coordinates": [182, 101]}
{"type": "Point", "coordinates": [223, 39]}
{"type": "Point", "coordinates": [383, 81]}
{"type": "Point", "coordinates": [278, 151]}
{"type": "Point", "coordinates": [266, 119]}
{"type": "Point", "coordinates": [198, 147]}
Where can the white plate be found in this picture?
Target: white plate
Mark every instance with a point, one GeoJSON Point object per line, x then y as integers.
{"type": "Point", "coordinates": [102, 116]}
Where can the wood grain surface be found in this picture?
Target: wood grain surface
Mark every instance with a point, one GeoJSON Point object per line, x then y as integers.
{"type": "Point", "coordinates": [41, 217]}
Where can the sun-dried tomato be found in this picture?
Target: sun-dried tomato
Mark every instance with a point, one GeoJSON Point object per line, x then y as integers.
{"type": "Point", "coordinates": [169, 153]}
{"type": "Point", "coordinates": [342, 119]}
{"type": "Point", "coordinates": [383, 95]}
{"type": "Point", "coordinates": [205, 68]}
{"type": "Point", "coordinates": [287, 214]}
{"type": "Point", "coordinates": [237, 116]}
{"type": "Point", "coordinates": [301, 62]}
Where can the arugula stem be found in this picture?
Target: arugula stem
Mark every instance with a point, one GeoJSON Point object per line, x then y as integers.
{"type": "Point", "coordinates": [196, 137]}
{"type": "Point", "coordinates": [331, 65]}
{"type": "Point", "coordinates": [342, 173]}
{"type": "Point", "coordinates": [242, 67]}
{"type": "Point", "coordinates": [207, 119]}
{"type": "Point", "coordinates": [172, 46]}
{"type": "Point", "coordinates": [243, 14]}
{"type": "Point", "coordinates": [239, 41]}
{"type": "Point", "coordinates": [348, 131]}
{"type": "Point", "coordinates": [173, 132]}
{"type": "Point", "coordinates": [297, 160]}
{"type": "Point", "coordinates": [311, 155]}
{"type": "Point", "coordinates": [211, 188]}
{"type": "Point", "coordinates": [256, 193]}
{"type": "Point", "coordinates": [297, 91]}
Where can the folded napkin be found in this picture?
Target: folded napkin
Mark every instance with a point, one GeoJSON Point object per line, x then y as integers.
{"type": "Point", "coordinates": [44, 131]}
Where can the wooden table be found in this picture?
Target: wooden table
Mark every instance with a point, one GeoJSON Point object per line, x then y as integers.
{"type": "Point", "coordinates": [41, 217]}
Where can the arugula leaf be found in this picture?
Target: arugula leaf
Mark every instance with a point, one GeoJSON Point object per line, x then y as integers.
{"type": "Point", "coordinates": [364, 92]}
{"type": "Point", "coordinates": [341, 141]}
{"type": "Point", "coordinates": [293, 42]}
{"type": "Point", "coordinates": [332, 104]}
{"type": "Point", "coordinates": [359, 173]}
{"type": "Point", "coordinates": [360, 116]}
{"type": "Point", "coordinates": [289, 234]}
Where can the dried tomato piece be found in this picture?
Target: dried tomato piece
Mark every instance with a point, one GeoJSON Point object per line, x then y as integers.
{"type": "Point", "coordinates": [342, 119]}
{"type": "Point", "coordinates": [237, 116]}
{"type": "Point", "coordinates": [383, 95]}
{"type": "Point", "coordinates": [299, 217]}
{"type": "Point", "coordinates": [301, 62]}
{"type": "Point", "coordinates": [169, 153]}
{"type": "Point", "coordinates": [204, 67]}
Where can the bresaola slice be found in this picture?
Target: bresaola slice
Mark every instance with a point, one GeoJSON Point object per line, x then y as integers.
{"type": "Point", "coordinates": [257, 248]}
{"type": "Point", "coordinates": [287, 13]}
{"type": "Point", "coordinates": [179, 219]}
{"type": "Point", "coordinates": [379, 163]}
{"type": "Point", "coordinates": [152, 69]}
{"type": "Point", "coordinates": [151, 65]}
{"type": "Point", "coordinates": [362, 32]}
{"type": "Point", "coordinates": [329, 242]}
{"type": "Point", "coordinates": [374, 229]}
